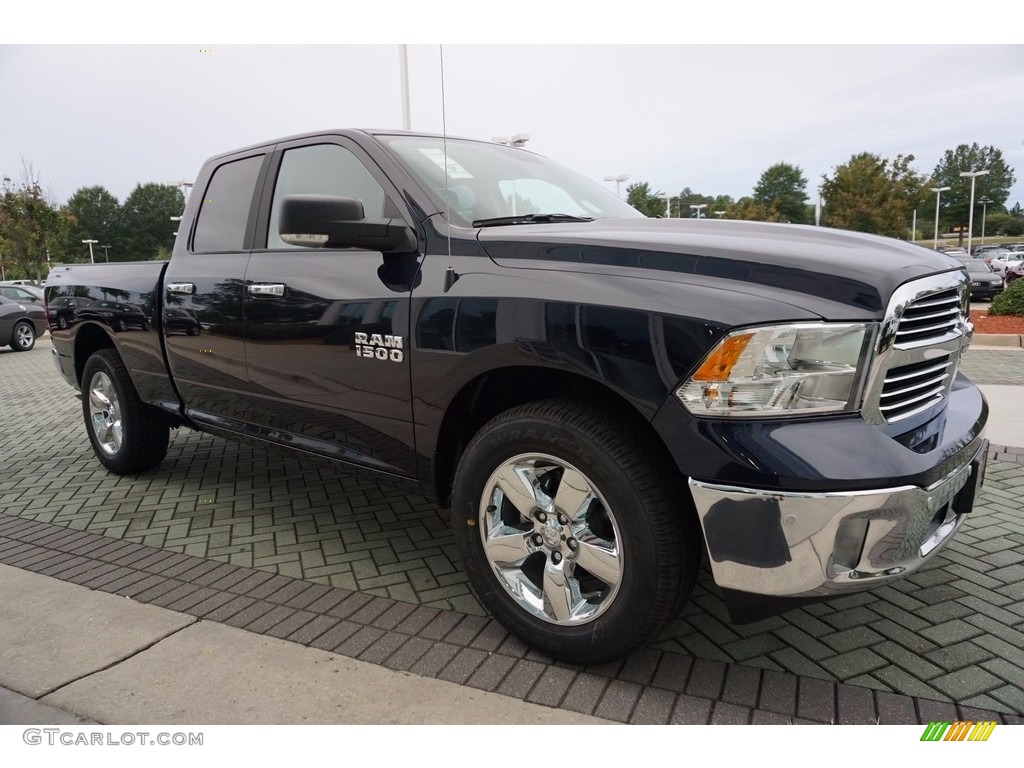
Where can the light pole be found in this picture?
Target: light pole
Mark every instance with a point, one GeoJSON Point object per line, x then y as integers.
{"type": "Point", "coordinates": [938, 194]}
{"type": "Point", "coordinates": [106, 253]}
{"type": "Point", "coordinates": [618, 182]}
{"type": "Point", "coordinates": [90, 242]}
{"type": "Point", "coordinates": [973, 176]}
{"type": "Point", "coordinates": [698, 208]}
{"type": "Point", "coordinates": [403, 66]}
{"type": "Point", "coordinates": [668, 206]}
{"type": "Point", "coordinates": [719, 214]}
{"type": "Point", "coordinates": [984, 208]}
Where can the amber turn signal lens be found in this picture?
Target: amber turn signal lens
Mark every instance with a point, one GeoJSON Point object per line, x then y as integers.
{"type": "Point", "coordinates": [719, 365]}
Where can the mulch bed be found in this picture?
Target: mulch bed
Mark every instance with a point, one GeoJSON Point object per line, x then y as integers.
{"type": "Point", "coordinates": [986, 323]}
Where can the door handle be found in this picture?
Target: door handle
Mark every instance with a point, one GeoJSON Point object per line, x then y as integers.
{"type": "Point", "coordinates": [183, 288]}
{"type": "Point", "coordinates": [266, 289]}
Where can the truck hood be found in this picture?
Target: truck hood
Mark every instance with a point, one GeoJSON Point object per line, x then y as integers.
{"type": "Point", "coordinates": [825, 271]}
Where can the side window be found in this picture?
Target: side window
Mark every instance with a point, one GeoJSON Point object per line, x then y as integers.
{"type": "Point", "coordinates": [323, 169]}
{"type": "Point", "coordinates": [225, 207]}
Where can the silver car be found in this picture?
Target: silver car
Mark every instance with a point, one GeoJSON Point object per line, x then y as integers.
{"type": "Point", "coordinates": [20, 323]}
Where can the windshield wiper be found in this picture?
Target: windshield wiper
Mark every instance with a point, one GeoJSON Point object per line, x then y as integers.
{"type": "Point", "coordinates": [528, 218]}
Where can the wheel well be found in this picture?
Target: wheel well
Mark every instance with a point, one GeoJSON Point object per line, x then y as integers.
{"type": "Point", "coordinates": [88, 340]}
{"type": "Point", "coordinates": [485, 397]}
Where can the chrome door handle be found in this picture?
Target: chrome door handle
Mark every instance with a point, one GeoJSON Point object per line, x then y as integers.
{"type": "Point", "coordinates": [267, 289]}
{"type": "Point", "coordinates": [183, 288]}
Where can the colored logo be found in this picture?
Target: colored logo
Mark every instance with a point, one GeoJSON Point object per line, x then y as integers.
{"type": "Point", "coordinates": [961, 730]}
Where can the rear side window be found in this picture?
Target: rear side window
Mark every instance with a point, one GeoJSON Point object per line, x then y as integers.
{"type": "Point", "coordinates": [225, 208]}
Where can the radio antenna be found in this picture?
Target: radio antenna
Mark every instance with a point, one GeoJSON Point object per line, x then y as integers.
{"type": "Point", "coordinates": [450, 275]}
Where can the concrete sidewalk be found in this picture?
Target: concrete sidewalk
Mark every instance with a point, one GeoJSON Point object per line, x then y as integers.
{"type": "Point", "coordinates": [72, 655]}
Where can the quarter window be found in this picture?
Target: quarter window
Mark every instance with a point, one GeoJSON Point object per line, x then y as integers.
{"type": "Point", "coordinates": [224, 212]}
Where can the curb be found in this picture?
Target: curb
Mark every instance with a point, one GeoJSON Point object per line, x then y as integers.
{"type": "Point", "coordinates": [998, 340]}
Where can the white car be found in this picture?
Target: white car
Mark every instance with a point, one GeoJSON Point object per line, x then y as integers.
{"type": "Point", "coordinates": [1001, 261]}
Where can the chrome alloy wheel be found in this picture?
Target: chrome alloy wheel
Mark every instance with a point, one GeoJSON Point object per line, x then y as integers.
{"type": "Point", "coordinates": [551, 539]}
{"type": "Point", "coordinates": [24, 335]}
{"type": "Point", "coordinates": [105, 414]}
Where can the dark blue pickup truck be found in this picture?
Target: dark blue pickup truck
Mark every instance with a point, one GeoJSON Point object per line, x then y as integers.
{"type": "Point", "coordinates": [602, 399]}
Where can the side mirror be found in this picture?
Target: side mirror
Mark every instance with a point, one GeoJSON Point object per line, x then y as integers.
{"type": "Point", "coordinates": [326, 221]}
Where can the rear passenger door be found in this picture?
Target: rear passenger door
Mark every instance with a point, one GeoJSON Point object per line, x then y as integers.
{"type": "Point", "coordinates": [203, 291]}
{"type": "Point", "coordinates": [326, 330]}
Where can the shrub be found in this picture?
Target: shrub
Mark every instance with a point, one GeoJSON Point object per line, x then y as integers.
{"type": "Point", "coordinates": [1010, 301]}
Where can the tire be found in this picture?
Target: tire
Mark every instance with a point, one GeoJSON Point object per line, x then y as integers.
{"type": "Point", "coordinates": [127, 435]}
{"type": "Point", "coordinates": [62, 322]}
{"type": "Point", "coordinates": [23, 336]}
{"type": "Point", "coordinates": [575, 533]}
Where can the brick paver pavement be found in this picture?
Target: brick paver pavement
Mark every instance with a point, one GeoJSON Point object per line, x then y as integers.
{"type": "Point", "coordinates": [260, 540]}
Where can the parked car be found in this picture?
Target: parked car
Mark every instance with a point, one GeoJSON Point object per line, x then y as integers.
{"type": "Point", "coordinates": [20, 324]}
{"type": "Point", "coordinates": [24, 293]}
{"type": "Point", "coordinates": [957, 253]}
{"type": "Point", "coordinates": [985, 283]}
{"type": "Point", "coordinates": [61, 311]}
{"type": "Point", "coordinates": [1000, 262]}
{"type": "Point", "coordinates": [116, 314]}
{"type": "Point", "coordinates": [178, 320]}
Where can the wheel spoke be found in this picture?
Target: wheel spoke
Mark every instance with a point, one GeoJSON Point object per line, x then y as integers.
{"type": "Point", "coordinates": [600, 560]}
{"type": "Point", "coordinates": [516, 483]}
{"type": "Point", "coordinates": [574, 493]}
{"type": "Point", "coordinates": [98, 400]}
{"type": "Point", "coordinates": [506, 547]}
{"type": "Point", "coordinates": [560, 597]}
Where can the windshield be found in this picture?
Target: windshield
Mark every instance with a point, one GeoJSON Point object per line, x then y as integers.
{"type": "Point", "coordinates": [476, 181]}
{"type": "Point", "coordinates": [978, 267]}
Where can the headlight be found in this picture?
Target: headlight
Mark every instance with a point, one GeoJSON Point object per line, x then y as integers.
{"type": "Point", "coordinates": [782, 369]}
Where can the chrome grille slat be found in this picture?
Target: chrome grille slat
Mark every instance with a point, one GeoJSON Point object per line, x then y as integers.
{"type": "Point", "coordinates": [946, 313]}
{"type": "Point", "coordinates": [898, 393]}
{"type": "Point", "coordinates": [934, 302]}
{"type": "Point", "coordinates": [892, 379]}
{"type": "Point", "coordinates": [932, 394]}
{"type": "Point", "coordinates": [925, 329]}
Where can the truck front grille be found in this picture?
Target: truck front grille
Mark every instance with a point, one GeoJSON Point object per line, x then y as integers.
{"type": "Point", "coordinates": [923, 334]}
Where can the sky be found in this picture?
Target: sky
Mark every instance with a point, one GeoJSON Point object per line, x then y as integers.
{"type": "Point", "coordinates": [711, 116]}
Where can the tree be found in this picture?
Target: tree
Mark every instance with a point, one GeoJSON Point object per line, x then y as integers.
{"type": "Point", "coordinates": [872, 194]}
{"type": "Point", "coordinates": [784, 186]}
{"type": "Point", "coordinates": [995, 184]}
{"type": "Point", "coordinates": [146, 217]}
{"type": "Point", "coordinates": [649, 203]}
{"type": "Point", "coordinates": [32, 229]}
{"type": "Point", "coordinates": [97, 217]}
{"type": "Point", "coordinates": [749, 209]}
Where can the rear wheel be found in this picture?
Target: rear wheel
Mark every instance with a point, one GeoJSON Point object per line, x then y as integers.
{"type": "Point", "coordinates": [127, 435]}
{"type": "Point", "coordinates": [23, 337]}
{"type": "Point", "coordinates": [574, 532]}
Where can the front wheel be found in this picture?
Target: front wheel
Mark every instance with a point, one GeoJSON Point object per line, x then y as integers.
{"type": "Point", "coordinates": [23, 337]}
{"type": "Point", "coordinates": [575, 533]}
{"type": "Point", "coordinates": [127, 435]}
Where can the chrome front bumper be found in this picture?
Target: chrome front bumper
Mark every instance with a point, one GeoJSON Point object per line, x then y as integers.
{"type": "Point", "coordinates": [797, 545]}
